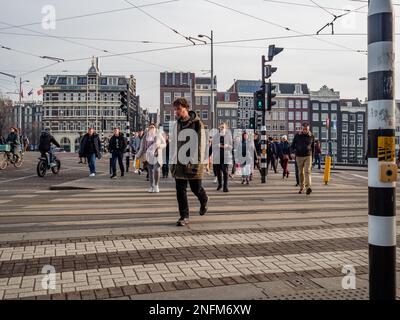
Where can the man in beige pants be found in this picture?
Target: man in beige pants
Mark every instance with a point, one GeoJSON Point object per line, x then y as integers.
{"type": "Point", "coordinates": [303, 146]}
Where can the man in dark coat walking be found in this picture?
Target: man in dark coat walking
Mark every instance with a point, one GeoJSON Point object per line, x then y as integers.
{"type": "Point", "coordinates": [117, 147]}
{"type": "Point", "coordinates": [90, 148]}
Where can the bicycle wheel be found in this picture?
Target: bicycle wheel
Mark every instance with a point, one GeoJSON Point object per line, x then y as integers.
{"type": "Point", "coordinates": [4, 162]}
{"type": "Point", "coordinates": [41, 168]}
{"type": "Point", "coordinates": [18, 162]}
{"type": "Point", "coordinates": [56, 168]}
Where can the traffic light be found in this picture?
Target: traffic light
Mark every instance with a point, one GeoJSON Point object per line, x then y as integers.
{"type": "Point", "coordinates": [252, 124]}
{"type": "Point", "coordinates": [259, 100]}
{"type": "Point", "coordinates": [124, 101]}
{"type": "Point", "coordinates": [270, 96]}
{"type": "Point", "coordinates": [259, 122]}
{"type": "Point", "coordinates": [273, 51]}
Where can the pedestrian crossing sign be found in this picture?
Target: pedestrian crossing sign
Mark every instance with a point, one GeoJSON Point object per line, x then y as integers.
{"type": "Point", "coordinates": [386, 149]}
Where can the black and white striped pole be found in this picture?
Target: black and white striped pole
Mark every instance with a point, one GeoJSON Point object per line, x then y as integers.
{"type": "Point", "coordinates": [382, 171]}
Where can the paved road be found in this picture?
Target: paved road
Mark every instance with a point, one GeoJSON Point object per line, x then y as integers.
{"type": "Point", "coordinates": [116, 241]}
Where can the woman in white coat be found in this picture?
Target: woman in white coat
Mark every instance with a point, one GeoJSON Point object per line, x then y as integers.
{"type": "Point", "coordinates": [151, 152]}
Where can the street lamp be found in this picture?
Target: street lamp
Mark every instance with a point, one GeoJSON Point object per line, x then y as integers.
{"type": "Point", "coordinates": [212, 77]}
{"type": "Point", "coordinates": [20, 104]}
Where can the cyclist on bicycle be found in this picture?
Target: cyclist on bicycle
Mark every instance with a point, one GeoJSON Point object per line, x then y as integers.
{"type": "Point", "coordinates": [14, 141]}
{"type": "Point", "coordinates": [45, 141]}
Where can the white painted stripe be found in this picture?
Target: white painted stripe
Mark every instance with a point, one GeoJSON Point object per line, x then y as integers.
{"type": "Point", "coordinates": [381, 114]}
{"type": "Point", "coordinates": [379, 6]}
{"type": "Point", "coordinates": [374, 173]}
{"type": "Point", "coordinates": [381, 56]}
{"type": "Point", "coordinates": [89, 247]}
{"type": "Point", "coordinates": [358, 176]}
{"type": "Point", "coordinates": [382, 231]}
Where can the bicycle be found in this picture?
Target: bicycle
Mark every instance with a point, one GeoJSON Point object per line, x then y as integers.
{"type": "Point", "coordinates": [44, 165]}
{"type": "Point", "coordinates": [9, 157]}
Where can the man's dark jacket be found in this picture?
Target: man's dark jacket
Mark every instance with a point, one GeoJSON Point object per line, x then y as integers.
{"type": "Point", "coordinates": [117, 143]}
{"type": "Point", "coordinates": [303, 144]}
{"type": "Point", "coordinates": [84, 152]}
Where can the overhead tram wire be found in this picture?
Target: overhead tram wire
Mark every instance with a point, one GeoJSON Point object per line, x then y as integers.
{"type": "Point", "coordinates": [324, 9]}
{"type": "Point", "coordinates": [280, 26]}
{"type": "Point", "coordinates": [312, 6]}
{"type": "Point", "coordinates": [188, 38]}
{"type": "Point", "coordinates": [91, 14]}
{"type": "Point", "coordinates": [81, 44]}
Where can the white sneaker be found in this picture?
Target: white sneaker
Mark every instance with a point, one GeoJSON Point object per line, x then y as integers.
{"type": "Point", "coordinates": [156, 189]}
{"type": "Point", "coordinates": [151, 190]}
{"type": "Point", "coordinates": [215, 180]}
{"type": "Point", "coordinates": [92, 175]}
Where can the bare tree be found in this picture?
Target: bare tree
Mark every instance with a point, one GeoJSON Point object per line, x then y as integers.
{"type": "Point", "coordinates": [6, 114]}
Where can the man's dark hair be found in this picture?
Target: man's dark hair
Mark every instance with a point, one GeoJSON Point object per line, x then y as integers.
{"type": "Point", "coordinates": [305, 124]}
{"type": "Point", "coordinates": [181, 102]}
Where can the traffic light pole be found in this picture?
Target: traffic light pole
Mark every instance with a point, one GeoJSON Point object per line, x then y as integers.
{"type": "Point", "coordinates": [382, 170]}
{"type": "Point", "coordinates": [263, 130]}
{"type": "Point", "coordinates": [128, 132]}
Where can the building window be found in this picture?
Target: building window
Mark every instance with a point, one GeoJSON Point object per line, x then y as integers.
{"type": "Point", "coordinates": [315, 116]}
{"type": "Point", "coordinates": [333, 134]}
{"type": "Point", "coordinates": [291, 104]}
{"type": "Point", "coordinates": [352, 140]}
{"type": "Point", "coordinates": [305, 104]}
{"type": "Point", "coordinates": [315, 106]}
{"type": "Point", "coordinates": [324, 116]}
{"type": "Point", "coordinates": [274, 115]}
{"type": "Point", "coordinates": [360, 127]}
{"type": "Point", "coordinates": [198, 101]}
{"type": "Point", "coordinates": [324, 106]}
{"type": "Point", "coordinates": [345, 127]}
{"type": "Point", "coordinates": [315, 131]}
{"type": "Point", "coordinates": [177, 95]}
{"type": "Point", "coordinates": [282, 116]}
{"type": "Point", "coordinates": [167, 97]}
{"type": "Point", "coordinates": [291, 115]}
{"type": "Point", "coordinates": [282, 127]}
{"type": "Point", "coordinates": [360, 117]}
{"type": "Point", "coordinates": [290, 137]}
{"type": "Point", "coordinates": [298, 104]}
{"type": "Point", "coordinates": [345, 117]}
{"type": "Point", "coordinates": [291, 126]}
{"type": "Point", "coordinates": [298, 126]}
{"type": "Point", "coordinates": [359, 153]}
{"type": "Point", "coordinates": [219, 112]}
{"type": "Point", "coordinates": [188, 97]}
{"type": "Point", "coordinates": [359, 140]}
{"type": "Point", "coordinates": [333, 106]}
{"type": "Point", "coordinates": [352, 127]}
{"type": "Point", "coordinates": [351, 154]}
{"type": "Point", "coordinates": [323, 133]}
{"type": "Point", "coordinates": [204, 101]}
{"type": "Point", "coordinates": [344, 153]}
{"type": "Point", "coordinates": [227, 97]}
{"type": "Point", "coordinates": [204, 115]}
{"type": "Point", "coordinates": [305, 115]}
{"type": "Point", "coordinates": [233, 113]}
{"type": "Point", "coordinates": [298, 89]}
{"type": "Point", "coordinates": [334, 116]}
{"type": "Point", "coordinates": [352, 117]}
{"type": "Point", "coordinates": [233, 123]}
{"type": "Point", "coordinates": [298, 115]}
{"type": "Point", "coordinates": [227, 113]}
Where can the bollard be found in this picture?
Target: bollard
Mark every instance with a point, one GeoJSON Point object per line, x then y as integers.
{"type": "Point", "coordinates": [327, 170]}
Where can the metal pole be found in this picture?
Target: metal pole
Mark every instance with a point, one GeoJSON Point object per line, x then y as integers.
{"type": "Point", "coordinates": [213, 117]}
{"type": "Point", "coordinates": [20, 106]}
{"type": "Point", "coordinates": [263, 129]}
{"type": "Point", "coordinates": [381, 151]}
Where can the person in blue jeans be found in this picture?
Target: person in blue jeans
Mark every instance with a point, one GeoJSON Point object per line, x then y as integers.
{"type": "Point", "coordinates": [90, 148]}
{"type": "Point", "coordinates": [317, 154]}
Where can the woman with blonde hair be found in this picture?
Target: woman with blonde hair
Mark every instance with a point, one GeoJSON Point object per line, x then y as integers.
{"type": "Point", "coordinates": [151, 152]}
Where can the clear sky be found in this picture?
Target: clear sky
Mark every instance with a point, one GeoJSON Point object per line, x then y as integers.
{"type": "Point", "coordinates": [316, 60]}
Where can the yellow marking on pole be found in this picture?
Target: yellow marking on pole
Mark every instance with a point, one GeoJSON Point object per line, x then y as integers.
{"type": "Point", "coordinates": [386, 149]}
{"type": "Point", "coordinates": [327, 170]}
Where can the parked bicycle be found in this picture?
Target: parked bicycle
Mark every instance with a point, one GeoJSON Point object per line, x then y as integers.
{"type": "Point", "coordinates": [9, 157]}
{"type": "Point", "coordinates": [46, 164]}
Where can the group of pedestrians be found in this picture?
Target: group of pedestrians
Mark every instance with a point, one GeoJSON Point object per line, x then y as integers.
{"type": "Point", "coordinates": [151, 149]}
